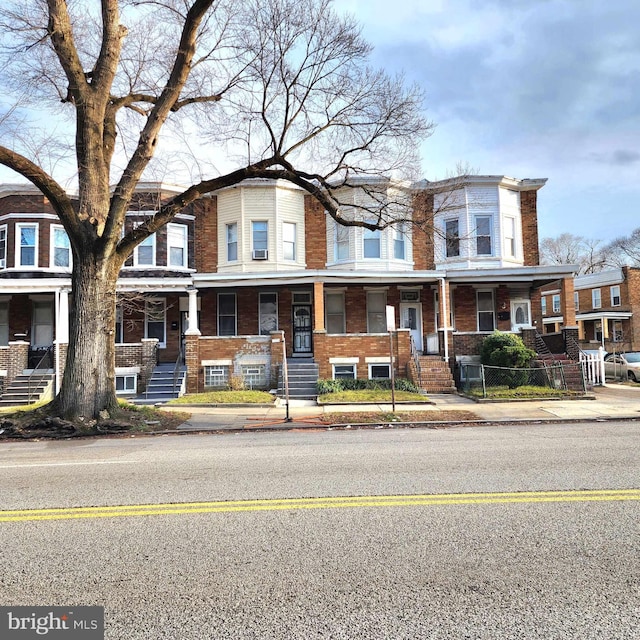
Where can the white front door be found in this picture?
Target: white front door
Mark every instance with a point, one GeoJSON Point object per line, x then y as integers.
{"type": "Point", "coordinates": [520, 314]}
{"type": "Point", "coordinates": [411, 318]}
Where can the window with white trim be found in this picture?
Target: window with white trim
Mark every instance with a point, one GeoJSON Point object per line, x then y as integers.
{"type": "Point", "coordinates": [155, 321]}
{"type": "Point", "coordinates": [543, 306]}
{"type": "Point", "coordinates": [615, 295]}
{"type": "Point", "coordinates": [227, 314]}
{"type": "Point", "coordinates": [60, 247]}
{"type": "Point", "coordinates": [486, 311]}
{"type": "Point", "coordinates": [555, 299]}
{"type": "Point", "coordinates": [334, 312]}
{"type": "Point", "coordinates": [344, 371]}
{"type": "Point", "coordinates": [452, 238]}
{"type": "Point", "coordinates": [126, 384]}
{"type": "Point", "coordinates": [144, 255]}
{"type": "Point", "coordinates": [260, 235]}
{"type": "Point", "coordinates": [399, 241]}
{"type": "Point", "coordinates": [379, 371]}
{"type": "Point", "coordinates": [216, 376]}
{"type": "Point", "coordinates": [510, 237]}
{"type": "Point", "coordinates": [341, 249]}
{"type": "Point", "coordinates": [616, 331]}
{"type": "Point", "coordinates": [232, 242]}
{"type": "Point", "coordinates": [289, 240]}
{"type": "Point", "coordinates": [177, 245]}
{"type": "Point", "coordinates": [376, 314]}
{"type": "Point", "coordinates": [27, 245]}
{"type": "Point", "coordinates": [268, 313]}
{"type": "Point", "coordinates": [484, 245]}
{"type": "Point", "coordinates": [596, 299]}
{"type": "Point", "coordinates": [576, 300]}
{"type": "Point", "coordinates": [371, 243]}
{"type": "Point", "coordinates": [119, 332]}
{"type": "Point", "coordinates": [3, 246]}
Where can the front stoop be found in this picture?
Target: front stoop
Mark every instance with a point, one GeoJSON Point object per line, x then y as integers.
{"type": "Point", "coordinates": [435, 375]}
{"type": "Point", "coordinates": [164, 384]}
{"type": "Point", "coordinates": [28, 389]}
{"type": "Point", "coordinates": [572, 370]}
{"type": "Point", "coordinates": [303, 379]}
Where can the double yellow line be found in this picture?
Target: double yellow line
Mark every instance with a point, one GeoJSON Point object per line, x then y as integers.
{"type": "Point", "coordinates": [186, 508]}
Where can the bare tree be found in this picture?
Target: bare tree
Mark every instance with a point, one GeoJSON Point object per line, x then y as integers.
{"type": "Point", "coordinates": [625, 250]}
{"type": "Point", "coordinates": [568, 248]}
{"type": "Point", "coordinates": [288, 78]}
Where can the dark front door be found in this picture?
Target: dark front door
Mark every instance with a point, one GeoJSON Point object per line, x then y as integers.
{"type": "Point", "coordinates": [302, 329]}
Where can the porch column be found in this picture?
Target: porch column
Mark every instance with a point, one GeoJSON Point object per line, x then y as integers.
{"type": "Point", "coordinates": [62, 335]}
{"type": "Point", "coordinates": [443, 303]}
{"type": "Point", "coordinates": [318, 306]}
{"type": "Point", "coordinates": [192, 329]}
{"type": "Point", "coordinates": [568, 306]}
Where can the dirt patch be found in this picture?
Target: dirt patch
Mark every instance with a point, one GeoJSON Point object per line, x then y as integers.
{"type": "Point", "coordinates": [38, 424]}
{"type": "Point", "coordinates": [363, 417]}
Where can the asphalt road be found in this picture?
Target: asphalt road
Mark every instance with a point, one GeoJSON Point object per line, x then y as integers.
{"type": "Point", "coordinates": [460, 569]}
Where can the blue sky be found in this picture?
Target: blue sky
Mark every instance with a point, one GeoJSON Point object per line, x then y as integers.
{"type": "Point", "coordinates": [529, 89]}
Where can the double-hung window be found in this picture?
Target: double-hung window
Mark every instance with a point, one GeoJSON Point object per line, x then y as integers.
{"type": "Point", "coordinates": [486, 313]}
{"type": "Point", "coordinates": [144, 255]}
{"type": "Point", "coordinates": [334, 310]}
{"type": "Point", "coordinates": [576, 300]}
{"type": "Point", "coordinates": [342, 242]}
{"type": "Point", "coordinates": [60, 248]}
{"type": "Point", "coordinates": [543, 306]}
{"type": "Point", "coordinates": [510, 237]}
{"type": "Point", "coordinates": [376, 316]}
{"type": "Point", "coordinates": [452, 238]}
{"type": "Point", "coordinates": [27, 250]}
{"type": "Point", "coordinates": [232, 242]}
{"type": "Point", "coordinates": [399, 241]}
{"type": "Point", "coordinates": [3, 246]}
{"type": "Point", "coordinates": [226, 314]}
{"type": "Point", "coordinates": [483, 236]}
{"type": "Point", "coordinates": [371, 243]}
{"type": "Point", "coordinates": [177, 245]}
{"type": "Point", "coordinates": [596, 299]}
{"type": "Point", "coordinates": [289, 240]}
{"type": "Point", "coordinates": [556, 303]}
{"type": "Point", "coordinates": [260, 238]}
{"type": "Point", "coordinates": [615, 296]}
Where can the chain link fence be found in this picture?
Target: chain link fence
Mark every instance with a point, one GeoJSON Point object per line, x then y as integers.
{"type": "Point", "coordinates": [484, 381]}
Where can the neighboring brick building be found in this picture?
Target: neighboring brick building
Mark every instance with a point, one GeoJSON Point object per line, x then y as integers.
{"type": "Point", "coordinates": [606, 306]}
{"type": "Point", "coordinates": [249, 265]}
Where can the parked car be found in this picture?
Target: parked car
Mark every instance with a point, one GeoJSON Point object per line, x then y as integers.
{"type": "Point", "coordinates": [623, 365]}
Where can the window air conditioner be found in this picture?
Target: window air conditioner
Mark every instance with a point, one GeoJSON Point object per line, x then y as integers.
{"type": "Point", "coordinates": [260, 254]}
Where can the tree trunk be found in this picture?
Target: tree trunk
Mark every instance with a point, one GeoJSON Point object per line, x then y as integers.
{"type": "Point", "coordinates": [88, 386]}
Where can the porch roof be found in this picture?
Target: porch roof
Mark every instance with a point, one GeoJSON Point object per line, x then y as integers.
{"type": "Point", "coordinates": [308, 277]}
{"type": "Point", "coordinates": [604, 315]}
{"type": "Point", "coordinates": [535, 275]}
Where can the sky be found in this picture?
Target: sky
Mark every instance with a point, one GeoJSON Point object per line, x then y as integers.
{"type": "Point", "coordinates": [528, 89]}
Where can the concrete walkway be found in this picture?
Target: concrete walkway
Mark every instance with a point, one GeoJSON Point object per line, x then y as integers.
{"type": "Point", "coordinates": [615, 401]}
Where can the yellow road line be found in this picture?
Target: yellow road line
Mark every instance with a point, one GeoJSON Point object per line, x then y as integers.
{"type": "Point", "coordinates": [120, 511]}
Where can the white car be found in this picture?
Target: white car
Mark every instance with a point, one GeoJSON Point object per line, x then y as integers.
{"type": "Point", "coordinates": [625, 366]}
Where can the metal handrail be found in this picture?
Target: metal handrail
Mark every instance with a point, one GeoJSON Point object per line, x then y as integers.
{"type": "Point", "coordinates": [47, 353]}
{"type": "Point", "coordinates": [415, 357]}
{"type": "Point", "coordinates": [177, 366]}
{"type": "Point", "coordinates": [541, 346]}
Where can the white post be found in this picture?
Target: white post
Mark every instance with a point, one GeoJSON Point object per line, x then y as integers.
{"type": "Point", "coordinates": [192, 329]}
{"type": "Point", "coordinates": [62, 331]}
{"type": "Point", "coordinates": [445, 319]}
{"type": "Point", "coordinates": [603, 380]}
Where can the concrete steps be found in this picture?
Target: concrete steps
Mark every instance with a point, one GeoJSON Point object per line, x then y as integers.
{"type": "Point", "coordinates": [162, 386]}
{"type": "Point", "coordinates": [303, 379]}
{"type": "Point", "coordinates": [28, 389]}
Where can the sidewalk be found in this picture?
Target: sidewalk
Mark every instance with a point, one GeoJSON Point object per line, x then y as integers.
{"type": "Point", "coordinates": [615, 401]}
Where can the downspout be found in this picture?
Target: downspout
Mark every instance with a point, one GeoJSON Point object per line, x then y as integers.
{"type": "Point", "coordinates": [445, 323]}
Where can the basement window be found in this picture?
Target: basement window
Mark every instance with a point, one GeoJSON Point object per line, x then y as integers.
{"type": "Point", "coordinates": [126, 384]}
{"type": "Point", "coordinates": [379, 371]}
{"type": "Point", "coordinates": [254, 376]}
{"type": "Point", "coordinates": [216, 376]}
{"type": "Point", "coordinates": [344, 371]}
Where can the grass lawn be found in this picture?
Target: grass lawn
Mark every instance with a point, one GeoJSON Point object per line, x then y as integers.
{"type": "Point", "coordinates": [371, 396]}
{"type": "Point", "coordinates": [225, 397]}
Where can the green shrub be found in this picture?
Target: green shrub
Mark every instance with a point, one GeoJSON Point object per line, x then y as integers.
{"type": "Point", "coordinates": [507, 350]}
{"type": "Point", "coordinates": [347, 384]}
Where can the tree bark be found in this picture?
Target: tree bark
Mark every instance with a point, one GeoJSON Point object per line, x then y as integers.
{"type": "Point", "coordinates": [88, 385]}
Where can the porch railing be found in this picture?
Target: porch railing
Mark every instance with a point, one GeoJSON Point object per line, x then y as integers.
{"type": "Point", "coordinates": [38, 374]}
{"type": "Point", "coordinates": [415, 357]}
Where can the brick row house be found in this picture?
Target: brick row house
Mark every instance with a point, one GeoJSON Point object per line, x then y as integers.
{"type": "Point", "coordinates": [606, 306]}
{"type": "Point", "coordinates": [259, 270]}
